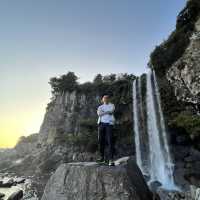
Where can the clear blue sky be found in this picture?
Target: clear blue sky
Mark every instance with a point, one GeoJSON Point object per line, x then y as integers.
{"type": "Point", "coordinates": [40, 39]}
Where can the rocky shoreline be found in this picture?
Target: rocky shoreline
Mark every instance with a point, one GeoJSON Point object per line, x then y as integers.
{"type": "Point", "coordinates": [34, 187]}
{"type": "Point", "coordinates": [13, 187]}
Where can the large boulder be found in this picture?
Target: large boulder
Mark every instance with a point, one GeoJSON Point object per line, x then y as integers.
{"type": "Point", "coordinates": [90, 181]}
{"type": "Point", "coordinates": [16, 195]}
{"type": "Point", "coordinates": [2, 195]}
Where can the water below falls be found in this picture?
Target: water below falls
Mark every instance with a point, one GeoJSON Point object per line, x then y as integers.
{"type": "Point", "coordinates": [159, 165]}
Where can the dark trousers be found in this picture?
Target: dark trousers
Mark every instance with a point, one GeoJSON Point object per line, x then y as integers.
{"type": "Point", "coordinates": [105, 136]}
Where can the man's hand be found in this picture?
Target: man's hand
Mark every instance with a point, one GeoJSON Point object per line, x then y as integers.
{"type": "Point", "coordinates": [105, 112]}
{"type": "Point", "coordinates": [101, 112]}
{"type": "Point", "coordinates": [109, 112]}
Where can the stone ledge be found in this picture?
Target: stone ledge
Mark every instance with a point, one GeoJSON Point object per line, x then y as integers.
{"type": "Point", "coordinates": [91, 181]}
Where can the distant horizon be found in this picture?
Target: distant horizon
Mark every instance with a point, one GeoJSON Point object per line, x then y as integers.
{"type": "Point", "coordinates": [44, 39]}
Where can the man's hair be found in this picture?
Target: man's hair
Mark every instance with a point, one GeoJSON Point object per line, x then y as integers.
{"type": "Point", "coordinates": [106, 94]}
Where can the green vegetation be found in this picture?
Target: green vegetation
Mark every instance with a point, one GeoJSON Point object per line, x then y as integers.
{"type": "Point", "coordinates": [87, 88]}
{"type": "Point", "coordinates": [66, 82]}
{"type": "Point", "coordinates": [29, 139]}
{"type": "Point", "coordinates": [98, 79]}
{"type": "Point", "coordinates": [90, 124]}
{"type": "Point", "coordinates": [171, 50]}
{"type": "Point", "coordinates": [100, 85]}
{"type": "Point", "coordinates": [189, 122]}
{"type": "Point", "coordinates": [86, 141]}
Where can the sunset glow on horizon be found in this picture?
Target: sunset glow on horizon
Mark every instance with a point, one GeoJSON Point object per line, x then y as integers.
{"type": "Point", "coordinates": [14, 125]}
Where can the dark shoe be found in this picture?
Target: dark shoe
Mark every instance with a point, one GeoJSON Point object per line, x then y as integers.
{"type": "Point", "coordinates": [106, 162]}
{"type": "Point", "coordinates": [111, 163]}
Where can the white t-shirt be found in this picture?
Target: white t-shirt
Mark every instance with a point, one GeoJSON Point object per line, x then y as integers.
{"type": "Point", "coordinates": [106, 118]}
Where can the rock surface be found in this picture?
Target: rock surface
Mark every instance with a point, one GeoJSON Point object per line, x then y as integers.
{"type": "Point", "coordinates": [16, 195]}
{"type": "Point", "coordinates": [184, 74]}
{"type": "Point", "coordinates": [90, 181]}
{"type": "Point", "coordinates": [174, 195]}
{"type": "Point", "coordinates": [62, 116]}
{"type": "Point", "coordinates": [1, 195]}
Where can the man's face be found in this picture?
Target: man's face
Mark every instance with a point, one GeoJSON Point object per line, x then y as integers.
{"type": "Point", "coordinates": [105, 99]}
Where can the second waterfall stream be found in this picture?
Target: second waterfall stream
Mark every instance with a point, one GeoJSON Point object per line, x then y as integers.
{"type": "Point", "coordinates": [156, 161]}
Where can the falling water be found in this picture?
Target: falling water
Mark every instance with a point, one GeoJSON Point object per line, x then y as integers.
{"type": "Point", "coordinates": [136, 126]}
{"type": "Point", "coordinates": [169, 163]}
{"type": "Point", "coordinates": [160, 161]}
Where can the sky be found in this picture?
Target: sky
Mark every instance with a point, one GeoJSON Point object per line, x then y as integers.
{"type": "Point", "coordinates": [40, 39]}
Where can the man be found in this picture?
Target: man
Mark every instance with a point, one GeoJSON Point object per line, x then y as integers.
{"type": "Point", "coordinates": [105, 129]}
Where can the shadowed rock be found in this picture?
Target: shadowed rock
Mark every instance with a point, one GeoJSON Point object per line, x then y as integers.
{"type": "Point", "coordinates": [1, 195]}
{"type": "Point", "coordinates": [7, 183]}
{"type": "Point", "coordinates": [90, 181]}
{"type": "Point", "coordinates": [16, 195]}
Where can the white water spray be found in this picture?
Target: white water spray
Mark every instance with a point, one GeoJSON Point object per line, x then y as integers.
{"type": "Point", "coordinates": [168, 159]}
{"type": "Point", "coordinates": [136, 126]}
{"type": "Point", "coordinates": [160, 161]}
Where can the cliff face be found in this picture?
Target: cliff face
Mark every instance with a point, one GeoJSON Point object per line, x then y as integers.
{"type": "Point", "coordinates": [184, 74]}
{"type": "Point", "coordinates": [26, 145]}
{"type": "Point", "coordinates": [176, 63]}
{"type": "Point", "coordinates": [177, 59]}
{"type": "Point", "coordinates": [71, 118]}
{"type": "Point", "coordinates": [65, 114]}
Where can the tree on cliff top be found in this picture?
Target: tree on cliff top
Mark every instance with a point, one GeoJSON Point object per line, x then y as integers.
{"type": "Point", "coordinates": [66, 82]}
{"type": "Point", "coordinates": [101, 84]}
{"type": "Point", "coordinates": [98, 79]}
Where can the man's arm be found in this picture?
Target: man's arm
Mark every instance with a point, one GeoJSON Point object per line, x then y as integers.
{"type": "Point", "coordinates": [112, 109]}
{"type": "Point", "coordinates": [101, 112]}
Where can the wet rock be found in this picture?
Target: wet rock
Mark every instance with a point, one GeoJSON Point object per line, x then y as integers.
{"type": "Point", "coordinates": [195, 192]}
{"type": "Point", "coordinates": [7, 183]}
{"type": "Point", "coordinates": [181, 140]}
{"type": "Point", "coordinates": [20, 180]}
{"type": "Point", "coordinates": [195, 154]}
{"type": "Point", "coordinates": [173, 195]}
{"type": "Point", "coordinates": [154, 185]}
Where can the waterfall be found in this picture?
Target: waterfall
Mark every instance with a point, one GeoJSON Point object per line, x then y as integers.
{"type": "Point", "coordinates": [169, 163]}
{"type": "Point", "coordinates": [136, 126]}
{"type": "Point", "coordinates": [160, 161]}
{"type": "Point", "coordinates": [155, 160]}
